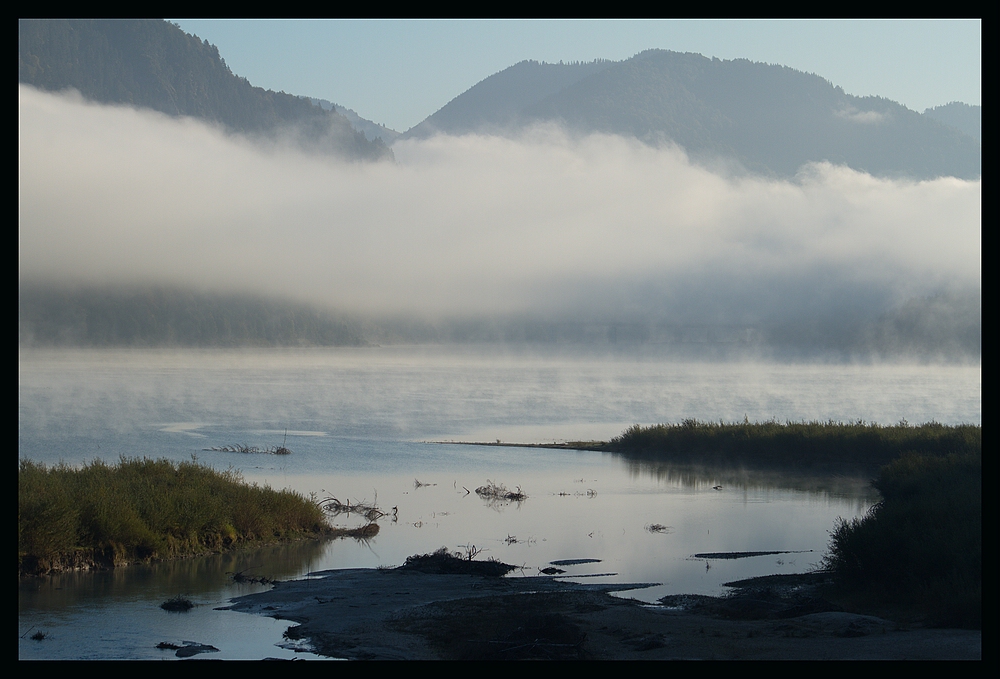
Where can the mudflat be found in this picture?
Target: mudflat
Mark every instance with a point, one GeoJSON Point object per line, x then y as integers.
{"type": "Point", "coordinates": [400, 614]}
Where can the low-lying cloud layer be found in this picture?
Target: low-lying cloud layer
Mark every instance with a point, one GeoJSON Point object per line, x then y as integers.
{"type": "Point", "coordinates": [597, 227]}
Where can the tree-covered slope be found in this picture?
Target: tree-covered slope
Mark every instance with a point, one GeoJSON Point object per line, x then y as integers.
{"type": "Point", "coordinates": [369, 128]}
{"type": "Point", "coordinates": [154, 64]}
{"type": "Point", "coordinates": [964, 118]}
{"type": "Point", "coordinates": [770, 118]}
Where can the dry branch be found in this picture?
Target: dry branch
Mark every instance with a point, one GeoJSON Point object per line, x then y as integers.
{"type": "Point", "coordinates": [494, 491]}
{"type": "Point", "coordinates": [370, 510]}
{"type": "Point", "coordinates": [659, 528]}
{"type": "Point", "coordinates": [250, 450]}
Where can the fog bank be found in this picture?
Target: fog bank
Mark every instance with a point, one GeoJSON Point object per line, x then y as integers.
{"type": "Point", "coordinates": [599, 228]}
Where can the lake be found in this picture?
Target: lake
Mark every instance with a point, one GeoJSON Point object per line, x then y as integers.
{"type": "Point", "coordinates": [371, 424]}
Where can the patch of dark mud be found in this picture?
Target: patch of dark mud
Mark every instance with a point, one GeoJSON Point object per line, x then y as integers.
{"type": "Point", "coordinates": [538, 626]}
{"type": "Point", "coordinates": [744, 555]}
{"type": "Point", "coordinates": [187, 649]}
{"type": "Point", "coordinates": [772, 597]}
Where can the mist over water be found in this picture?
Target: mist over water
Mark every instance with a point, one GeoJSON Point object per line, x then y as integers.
{"type": "Point", "coordinates": [350, 408]}
{"type": "Point", "coordinates": [361, 424]}
{"type": "Point", "coordinates": [597, 228]}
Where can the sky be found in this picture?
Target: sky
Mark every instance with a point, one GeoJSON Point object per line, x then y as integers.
{"type": "Point", "coordinates": [398, 72]}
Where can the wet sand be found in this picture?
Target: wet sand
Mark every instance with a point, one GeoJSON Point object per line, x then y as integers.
{"type": "Point", "coordinates": [396, 614]}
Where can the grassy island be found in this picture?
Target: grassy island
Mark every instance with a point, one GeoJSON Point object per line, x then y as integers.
{"type": "Point", "coordinates": [102, 515]}
{"type": "Point", "coordinates": [820, 445]}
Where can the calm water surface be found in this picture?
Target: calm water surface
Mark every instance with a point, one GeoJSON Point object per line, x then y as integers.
{"type": "Point", "coordinates": [365, 424]}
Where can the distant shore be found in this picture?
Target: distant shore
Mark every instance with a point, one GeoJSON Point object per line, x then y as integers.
{"type": "Point", "coordinates": [832, 446]}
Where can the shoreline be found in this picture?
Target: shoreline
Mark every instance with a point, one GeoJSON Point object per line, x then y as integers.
{"type": "Point", "coordinates": [94, 560]}
{"type": "Point", "coordinates": [395, 614]}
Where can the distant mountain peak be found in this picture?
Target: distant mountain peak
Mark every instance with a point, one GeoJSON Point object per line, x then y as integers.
{"type": "Point", "coordinates": [497, 102]}
{"type": "Point", "coordinates": [770, 118]}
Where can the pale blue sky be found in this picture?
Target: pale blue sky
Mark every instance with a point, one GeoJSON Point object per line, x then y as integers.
{"type": "Point", "coordinates": [398, 72]}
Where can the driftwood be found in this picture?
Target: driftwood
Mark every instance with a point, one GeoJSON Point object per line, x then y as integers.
{"type": "Point", "coordinates": [659, 528]}
{"type": "Point", "coordinates": [254, 450]}
{"type": "Point", "coordinates": [250, 450]}
{"type": "Point", "coordinates": [494, 491]}
{"type": "Point", "coordinates": [370, 510]}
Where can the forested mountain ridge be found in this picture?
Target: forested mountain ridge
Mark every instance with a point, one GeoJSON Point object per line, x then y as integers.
{"type": "Point", "coordinates": [150, 316]}
{"type": "Point", "coordinates": [154, 64]}
{"type": "Point", "coordinates": [770, 118]}
{"type": "Point", "coordinates": [370, 129]}
{"type": "Point", "coordinates": [964, 118]}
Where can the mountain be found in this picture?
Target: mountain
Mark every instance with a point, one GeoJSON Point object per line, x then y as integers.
{"type": "Point", "coordinates": [964, 118]}
{"type": "Point", "coordinates": [154, 64]}
{"type": "Point", "coordinates": [371, 130]}
{"type": "Point", "coordinates": [770, 118]}
{"type": "Point", "coordinates": [499, 102]}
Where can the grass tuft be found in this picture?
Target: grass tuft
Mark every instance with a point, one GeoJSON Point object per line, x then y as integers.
{"type": "Point", "coordinates": [143, 509]}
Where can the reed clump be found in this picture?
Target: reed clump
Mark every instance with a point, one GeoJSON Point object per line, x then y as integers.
{"type": "Point", "coordinates": [104, 515]}
{"type": "Point", "coordinates": [920, 549]}
{"type": "Point", "coordinates": [799, 444]}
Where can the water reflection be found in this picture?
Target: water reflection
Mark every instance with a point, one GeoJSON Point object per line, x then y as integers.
{"type": "Point", "coordinates": [579, 506]}
{"type": "Point", "coordinates": [117, 614]}
{"type": "Point", "coordinates": [854, 487]}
